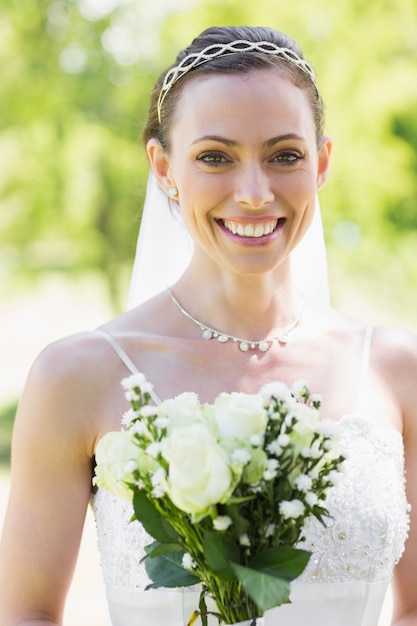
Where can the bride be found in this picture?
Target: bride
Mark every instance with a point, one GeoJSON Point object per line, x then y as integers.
{"type": "Point", "coordinates": [234, 139]}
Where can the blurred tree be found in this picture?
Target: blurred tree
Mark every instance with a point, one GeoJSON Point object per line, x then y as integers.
{"type": "Point", "coordinates": [76, 78]}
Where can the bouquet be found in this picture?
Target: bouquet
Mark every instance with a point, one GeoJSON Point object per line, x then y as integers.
{"type": "Point", "coordinates": [224, 489]}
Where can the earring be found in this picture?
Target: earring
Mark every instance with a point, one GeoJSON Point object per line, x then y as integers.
{"type": "Point", "coordinates": [173, 192]}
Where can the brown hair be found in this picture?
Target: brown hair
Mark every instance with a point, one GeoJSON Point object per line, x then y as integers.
{"type": "Point", "coordinates": [236, 63]}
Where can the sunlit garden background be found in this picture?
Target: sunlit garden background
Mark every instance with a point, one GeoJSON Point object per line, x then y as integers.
{"type": "Point", "coordinates": [75, 81]}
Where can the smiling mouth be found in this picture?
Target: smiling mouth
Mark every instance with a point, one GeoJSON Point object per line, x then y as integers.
{"type": "Point", "coordinates": [252, 230]}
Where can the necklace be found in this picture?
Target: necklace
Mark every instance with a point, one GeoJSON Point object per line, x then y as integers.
{"type": "Point", "coordinates": [244, 344]}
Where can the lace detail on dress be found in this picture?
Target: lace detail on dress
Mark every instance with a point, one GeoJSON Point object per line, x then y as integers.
{"type": "Point", "coordinates": [121, 542]}
{"type": "Point", "coordinates": [365, 537]}
{"type": "Point", "coordinates": [362, 542]}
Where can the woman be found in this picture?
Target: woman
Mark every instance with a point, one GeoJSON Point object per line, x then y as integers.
{"type": "Point", "coordinates": [234, 139]}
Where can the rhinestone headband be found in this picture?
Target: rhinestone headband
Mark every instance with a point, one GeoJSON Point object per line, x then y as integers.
{"type": "Point", "coordinates": [216, 50]}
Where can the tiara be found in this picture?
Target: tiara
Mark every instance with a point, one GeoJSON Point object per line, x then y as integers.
{"type": "Point", "coordinates": [216, 50]}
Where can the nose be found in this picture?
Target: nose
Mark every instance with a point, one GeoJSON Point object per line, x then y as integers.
{"type": "Point", "coordinates": [253, 187]}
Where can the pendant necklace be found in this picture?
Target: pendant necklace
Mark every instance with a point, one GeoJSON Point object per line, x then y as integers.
{"type": "Point", "coordinates": [262, 345]}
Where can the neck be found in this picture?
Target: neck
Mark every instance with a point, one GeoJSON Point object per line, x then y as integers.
{"type": "Point", "coordinates": [252, 306]}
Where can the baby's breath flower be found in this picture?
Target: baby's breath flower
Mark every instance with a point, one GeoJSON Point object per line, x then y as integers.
{"type": "Point", "coordinates": [158, 492]}
{"type": "Point", "coordinates": [154, 449]}
{"type": "Point", "coordinates": [147, 411]}
{"type": "Point", "coordinates": [334, 477]}
{"type": "Point", "coordinates": [131, 395]}
{"type": "Point", "coordinates": [274, 448]}
{"type": "Point", "coordinates": [161, 422]}
{"type": "Point", "coordinates": [300, 389]}
{"type": "Point", "coordinates": [256, 441]}
{"type": "Point", "coordinates": [315, 399]}
{"type": "Point", "coordinates": [291, 509]}
{"type": "Point", "coordinates": [158, 483]}
{"type": "Point", "coordinates": [306, 452]}
{"type": "Point", "coordinates": [315, 452]}
{"type": "Point", "coordinates": [311, 498]}
{"type": "Point", "coordinates": [222, 522]}
{"type": "Point", "coordinates": [269, 530]}
{"type": "Point", "coordinates": [129, 416]}
{"type": "Point", "coordinates": [284, 440]}
{"type": "Point", "coordinates": [303, 482]}
{"type": "Point", "coordinates": [277, 390]}
{"type": "Point", "coordinates": [241, 456]}
{"type": "Point", "coordinates": [188, 561]}
{"type": "Point", "coordinates": [244, 540]}
{"type": "Point", "coordinates": [289, 419]}
{"type": "Point", "coordinates": [271, 469]}
{"type": "Point", "coordinates": [134, 381]}
{"type": "Point", "coordinates": [140, 428]}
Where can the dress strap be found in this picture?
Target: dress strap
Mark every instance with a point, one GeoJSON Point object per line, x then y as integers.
{"type": "Point", "coordinates": [125, 359]}
{"type": "Point", "coordinates": [364, 370]}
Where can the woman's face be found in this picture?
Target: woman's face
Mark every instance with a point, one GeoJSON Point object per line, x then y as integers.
{"type": "Point", "coordinates": [246, 164]}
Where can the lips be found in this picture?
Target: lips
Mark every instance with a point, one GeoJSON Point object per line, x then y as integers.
{"type": "Point", "coordinates": [255, 229]}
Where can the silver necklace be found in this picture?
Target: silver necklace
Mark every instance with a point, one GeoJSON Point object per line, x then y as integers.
{"type": "Point", "coordinates": [244, 344]}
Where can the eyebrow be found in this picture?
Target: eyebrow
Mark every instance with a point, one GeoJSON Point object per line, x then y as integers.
{"type": "Point", "coordinates": [232, 143]}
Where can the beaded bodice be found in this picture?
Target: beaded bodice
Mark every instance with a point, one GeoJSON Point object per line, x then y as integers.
{"type": "Point", "coordinates": [361, 542]}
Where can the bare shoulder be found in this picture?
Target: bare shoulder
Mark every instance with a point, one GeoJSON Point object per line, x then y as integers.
{"type": "Point", "coordinates": [396, 349]}
{"type": "Point", "coordinates": [67, 388]}
{"type": "Point", "coordinates": [72, 355]}
{"type": "Point", "coordinates": [394, 353]}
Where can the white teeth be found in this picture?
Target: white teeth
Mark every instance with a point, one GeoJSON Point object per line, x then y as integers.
{"type": "Point", "coordinates": [251, 230]}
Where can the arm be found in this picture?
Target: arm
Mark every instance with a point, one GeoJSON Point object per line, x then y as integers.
{"type": "Point", "coordinates": [52, 453]}
{"type": "Point", "coordinates": [404, 376]}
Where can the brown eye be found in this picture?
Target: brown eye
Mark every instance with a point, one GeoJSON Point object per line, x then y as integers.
{"type": "Point", "coordinates": [212, 158]}
{"type": "Point", "coordinates": [288, 157]}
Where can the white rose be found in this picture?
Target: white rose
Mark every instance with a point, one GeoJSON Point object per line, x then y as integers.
{"type": "Point", "coordinates": [116, 458]}
{"type": "Point", "coordinates": [183, 410]}
{"type": "Point", "coordinates": [198, 475]}
{"type": "Point", "coordinates": [240, 416]}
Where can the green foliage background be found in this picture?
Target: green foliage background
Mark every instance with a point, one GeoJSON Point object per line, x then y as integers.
{"type": "Point", "coordinates": [75, 82]}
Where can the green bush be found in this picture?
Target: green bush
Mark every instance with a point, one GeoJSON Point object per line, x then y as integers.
{"type": "Point", "coordinates": [7, 414]}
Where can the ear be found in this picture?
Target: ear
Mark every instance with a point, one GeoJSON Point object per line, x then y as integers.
{"type": "Point", "coordinates": [159, 163]}
{"type": "Point", "coordinates": [323, 161]}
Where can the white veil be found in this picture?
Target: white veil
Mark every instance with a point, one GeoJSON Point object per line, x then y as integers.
{"type": "Point", "coordinates": [164, 250]}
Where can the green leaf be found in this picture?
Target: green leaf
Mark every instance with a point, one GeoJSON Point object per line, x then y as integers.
{"type": "Point", "coordinates": [219, 550]}
{"type": "Point", "coordinates": [283, 562]}
{"type": "Point", "coordinates": [152, 520]}
{"type": "Point", "coordinates": [265, 590]}
{"type": "Point", "coordinates": [166, 570]}
{"type": "Point", "coordinates": [162, 548]}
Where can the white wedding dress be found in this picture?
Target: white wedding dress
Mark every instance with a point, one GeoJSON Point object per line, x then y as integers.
{"type": "Point", "coordinates": [352, 559]}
